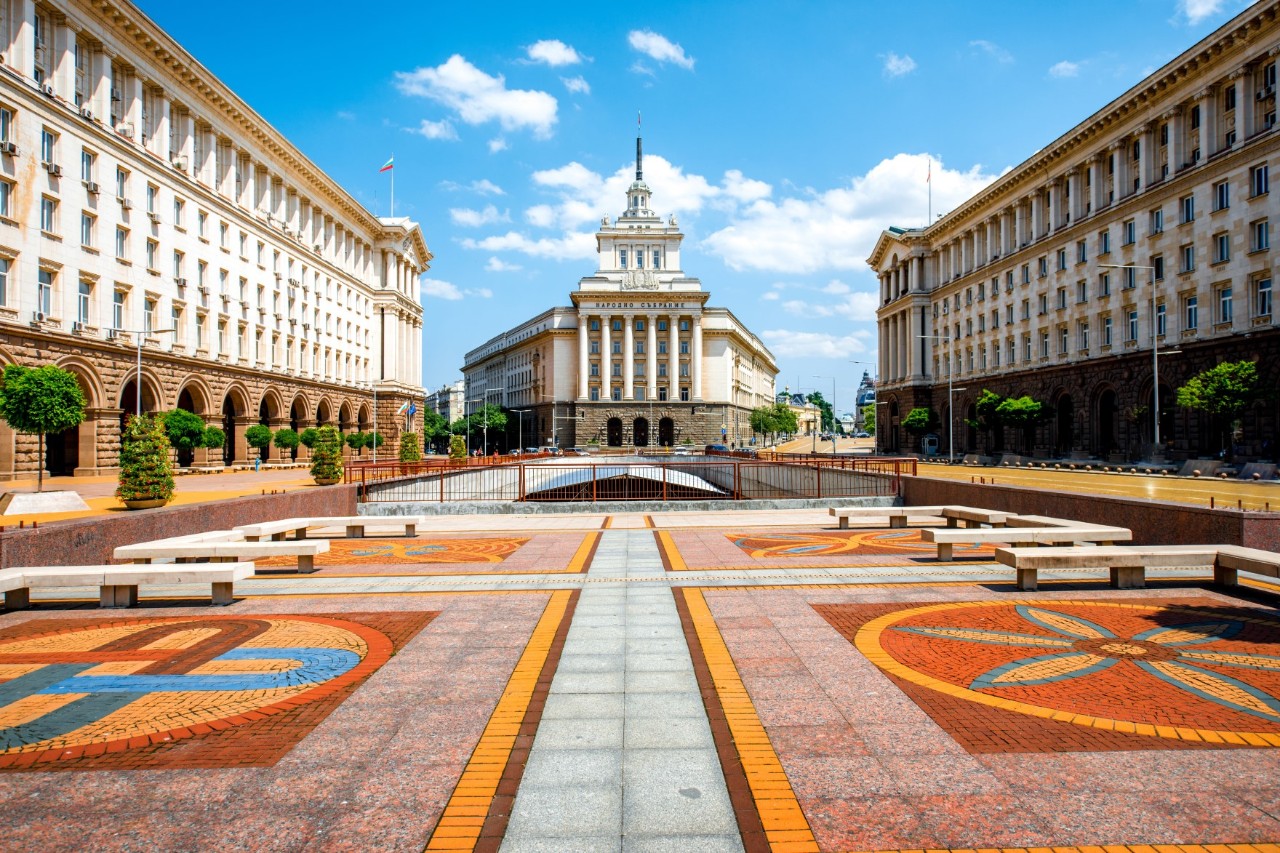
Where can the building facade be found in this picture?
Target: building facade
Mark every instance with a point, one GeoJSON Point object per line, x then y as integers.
{"type": "Point", "coordinates": [146, 209]}
{"type": "Point", "coordinates": [449, 402]}
{"type": "Point", "coordinates": [1146, 225]}
{"type": "Point", "coordinates": [639, 359]}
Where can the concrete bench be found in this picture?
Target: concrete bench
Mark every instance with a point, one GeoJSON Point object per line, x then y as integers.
{"type": "Point", "coordinates": [118, 585]}
{"type": "Point", "coordinates": [1236, 558]}
{"type": "Point", "coordinates": [355, 526]}
{"type": "Point", "coordinates": [145, 552]}
{"type": "Point", "coordinates": [1050, 521]}
{"type": "Point", "coordinates": [897, 515]}
{"type": "Point", "coordinates": [1128, 564]}
{"type": "Point", "coordinates": [974, 517]}
{"type": "Point", "coordinates": [947, 539]}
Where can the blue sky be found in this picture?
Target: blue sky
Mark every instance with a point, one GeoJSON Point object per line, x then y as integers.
{"type": "Point", "coordinates": [785, 136]}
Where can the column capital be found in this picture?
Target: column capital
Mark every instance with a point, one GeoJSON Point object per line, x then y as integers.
{"type": "Point", "coordinates": [1239, 72]}
{"type": "Point", "coordinates": [1172, 113]}
{"type": "Point", "coordinates": [1207, 92]}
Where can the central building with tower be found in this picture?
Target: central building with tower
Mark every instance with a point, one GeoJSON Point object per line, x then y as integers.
{"type": "Point", "coordinates": [638, 360]}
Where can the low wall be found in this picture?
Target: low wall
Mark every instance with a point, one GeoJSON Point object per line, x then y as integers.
{"type": "Point", "coordinates": [1152, 522]}
{"type": "Point", "coordinates": [90, 541]}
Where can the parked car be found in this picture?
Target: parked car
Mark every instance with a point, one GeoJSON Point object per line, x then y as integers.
{"type": "Point", "coordinates": [862, 435]}
{"type": "Point", "coordinates": [717, 448]}
{"type": "Point", "coordinates": [575, 451]}
{"type": "Point", "coordinates": [533, 450]}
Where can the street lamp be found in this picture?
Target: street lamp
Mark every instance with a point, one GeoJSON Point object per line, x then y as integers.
{"type": "Point", "coordinates": [138, 338]}
{"type": "Point", "coordinates": [1155, 352]}
{"type": "Point", "coordinates": [484, 438]}
{"type": "Point", "coordinates": [951, 409]}
{"type": "Point", "coordinates": [520, 440]}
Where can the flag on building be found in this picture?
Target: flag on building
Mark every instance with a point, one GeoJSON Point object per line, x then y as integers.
{"type": "Point", "coordinates": [389, 165]}
{"type": "Point", "coordinates": [413, 409]}
{"type": "Point", "coordinates": [404, 408]}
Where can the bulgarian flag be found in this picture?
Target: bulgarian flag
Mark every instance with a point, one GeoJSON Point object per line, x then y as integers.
{"type": "Point", "coordinates": [402, 409]}
{"type": "Point", "coordinates": [389, 165]}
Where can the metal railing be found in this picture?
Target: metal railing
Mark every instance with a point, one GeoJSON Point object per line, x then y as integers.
{"type": "Point", "coordinates": [710, 478]}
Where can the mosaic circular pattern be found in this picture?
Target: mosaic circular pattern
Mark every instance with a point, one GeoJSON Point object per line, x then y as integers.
{"type": "Point", "coordinates": [361, 551]}
{"type": "Point", "coordinates": [1160, 670]}
{"type": "Point", "coordinates": [830, 544]}
{"type": "Point", "coordinates": [111, 687]}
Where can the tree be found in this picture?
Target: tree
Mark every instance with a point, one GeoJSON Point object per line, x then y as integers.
{"type": "Point", "coordinates": [920, 421]}
{"type": "Point", "coordinates": [1223, 392]}
{"type": "Point", "coordinates": [374, 439]}
{"type": "Point", "coordinates": [1025, 414]}
{"type": "Point", "coordinates": [869, 418]}
{"type": "Point", "coordinates": [988, 420]}
{"type": "Point", "coordinates": [828, 414]}
{"type": "Point", "coordinates": [184, 429]}
{"type": "Point", "coordinates": [287, 440]}
{"type": "Point", "coordinates": [457, 447]}
{"type": "Point", "coordinates": [307, 438]}
{"type": "Point", "coordinates": [326, 456]}
{"type": "Point", "coordinates": [213, 438]}
{"type": "Point", "coordinates": [763, 420]}
{"type": "Point", "coordinates": [785, 419]}
{"type": "Point", "coordinates": [434, 426]}
{"type": "Point", "coordinates": [357, 441]}
{"type": "Point", "coordinates": [486, 419]}
{"type": "Point", "coordinates": [258, 436]}
{"type": "Point", "coordinates": [40, 400]}
{"type": "Point", "coordinates": [145, 474]}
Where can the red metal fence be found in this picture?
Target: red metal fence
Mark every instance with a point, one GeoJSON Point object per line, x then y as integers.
{"type": "Point", "coordinates": [707, 478]}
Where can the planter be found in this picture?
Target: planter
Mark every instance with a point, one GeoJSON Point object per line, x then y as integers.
{"type": "Point", "coordinates": [327, 481]}
{"type": "Point", "coordinates": [145, 503]}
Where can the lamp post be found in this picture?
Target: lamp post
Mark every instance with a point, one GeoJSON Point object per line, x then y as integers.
{"type": "Point", "coordinates": [138, 338]}
{"type": "Point", "coordinates": [1155, 353]}
{"type": "Point", "coordinates": [833, 412]}
{"type": "Point", "coordinates": [374, 438]}
{"type": "Point", "coordinates": [520, 440]}
{"type": "Point", "coordinates": [484, 438]}
{"type": "Point", "coordinates": [951, 389]}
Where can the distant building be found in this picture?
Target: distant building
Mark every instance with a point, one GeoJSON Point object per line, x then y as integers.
{"type": "Point", "coordinates": [866, 396]}
{"type": "Point", "coordinates": [808, 415]}
{"type": "Point", "coordinates": [449, 401]}
{"type": "Point", "coordinates": [143, 203]}
{"type": "Point", "coordinates": [1147, 223]}
{"type": "Point", "coordinates": [639, 359]}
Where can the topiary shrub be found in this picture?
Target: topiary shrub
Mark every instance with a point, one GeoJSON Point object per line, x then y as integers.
{"type": "Point", "coordinates": [287, 440]}
{"type": "Point", "coordinates": [258, 436]}
{"type": "Point", "coordinates": [410, 449]}
{"type": "Point", "coordinates": [457, 447]}
{"type": "Point", "coordinates": [185, 431]}
{"type": "Point", "coordinates": [357, 441]}
{"type": "Point", "coordinates": [307, 438]}
{"type": "Point", "coordinates": [326, 456]}
{"type": "Point", "coordinates": [145, 474]}
{"type": "Point", "coordinates": [214, 438]}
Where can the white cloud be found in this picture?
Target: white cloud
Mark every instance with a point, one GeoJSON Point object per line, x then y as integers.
{"type": "Point", "coordinates": [576, 85]}
{"type": "Point", "coordinates": [541, 216]}
{"type": "Point", "coordinates": [639, 67]}
{"type": "Point", "coordinates": [1065, 68]}
{"type": "Point", "coordinates": [837, 228]}
{"type": "Point", "coordinates": [499, 265]}
{"type": "Point", "coordinates": [475, 218]}
{"type": "Point", "coordinates": [571, 246]}
{"type": "Point", "coordinates": [659, 48]}
{"type": "Point", "coordinates": [484, 186]}
{"type": "Point", "coordinates": [1197, 10]}
{"type": "Point", "coordinates": [436, 130]}
{"type": "Point", "coordinates": [553, 52]}
{"type": "Point", "coordinates": [497, 144]}
{"type": "Point", "coordinates": [742, 189]}
{"type": "Point", "coordinates": [993, 50]}
{"type": "Point", "coordinates": [346, 115]}
{"type": "Point", "coordinates": [479, 98]}
{"type": "Point", "coordinates": [789, 343]}
{"type": "Point", "coordinates": [896, 66]}
{"type": "Point", "coordinates": [439, 289]}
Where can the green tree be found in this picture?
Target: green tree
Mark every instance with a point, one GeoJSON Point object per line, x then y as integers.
{"type": "Point", "coordinates": [487, 419]}
{"type": "Point", "coordinates": [763, 421]}
{"type": "Point", "coordinates": [785, 419]}
{"type": "Point", "coordinates": [258, 436]}
{"type": "Point", "coordinates": [988, 419]}
{"type": "Point", "coordinates": [457, 447]}
{"type": "Point", "coordinates": [326, 456]}
{"type": "Point", "coordinates": [287, 440]}
{"type": "Point", "coordinates": [307, 438]}
{"type": "Point", "coordinates": [1024, 414]}
{"type": "Point", "coordinates": [920, 421]}
{"type": "Point", "coordinates": [410, 450]}
{"type": "Point", "coordinates": [40, 400]}
{"type": "Point", "coordinates": [434, 427]}
{"type": "Point", "coordinates": [145, 474]}
{"type": "Point", "coordinates": [1223, 392]}
{"type": "Point", "coordinates": [828, 414]}
{"type": "Point", "coordinates": [869, 418]}
{"type": "Point", "coordinates": [213, 438]}
{"type": "Point", "coordinates": [357, 441]}
{"type": "Point", "coordinates": [374, 439]}
{"type": "Point", "coordinates": [184, 429]}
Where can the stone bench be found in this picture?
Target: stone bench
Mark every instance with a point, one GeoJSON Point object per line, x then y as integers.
{"type": "Point", "coordinates": [216, 552]}
{"type": "Point", "coordinates": [974, 517]}
{"type": "Point", "coordinates": [1127, 564]}
{"type": "Point", "coordinates": [897, 515]}
{"type": "Point", "coordinates": [947, 539]}
{"type": "Point", "coordinates": [118, 585]}
{"type": "Point", "coordinates": [1236, 558]}
{"type": "Point", "coordinates": [355, 526]}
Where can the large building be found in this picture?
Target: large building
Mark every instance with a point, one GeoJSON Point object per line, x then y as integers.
{"type": "Point", "coordinates": [639, 359]}
{"type": "Point", "coordinates": [144, 205]}
{"type": "Point", "coordinates": [1153, 214]}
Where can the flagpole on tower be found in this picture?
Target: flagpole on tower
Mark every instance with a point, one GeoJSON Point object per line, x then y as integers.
{"type": "Point", "coordinates": [390, 166]}
{"type": "Point", "coordinates": [929, 183]}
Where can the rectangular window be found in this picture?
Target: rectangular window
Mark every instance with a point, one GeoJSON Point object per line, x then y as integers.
{"type": "Point", "coordinates": [1259, 182]}
{"type": "Point", "coordinates": [152, 192]}
{"type": "Point", "coordinates": [1188, 205]}
{"type": "Point", "coordinates": [48, 146]}
{"type": "Point", "coordinates": [1044, 344]}
{"type": "Point", "coordinates": [1026, 273]}
{"type": "Point", "coordinates": [657, 259]}
{"type": "Point", "coordinates": [122, 183]}
{"type": "Point", "coordinates": [6, 199]}
{"type": "Point", "coordinates": [662, 347]}
{"type": "Point", "coordinates": [639, 325]}
{"type": "Point", "coordinates": [1260, 235]}
{"type": "Point", "coordinates": [1228, 99]}
{"type": "Point", "coordinates": [1043, 267]}
{"type": "Point", "coordinates": [1082, 334]}
{"type": "Point", "coordinates": [1062, 259]}
{"type": "Point", "coordinates": [1188, 257]}
{"type": "Point", "coordinates": [1162, 320]}
{"type": "Point", "coordinates": [1008, 315]}
{"type": "Point", "coordinates": [44, 292]}
{"type": "Point", "coordinates": [622, 259]}
{"type": "Point", "coordinates": [1026, 309]}
{"type": "Point", "coordinates": [49, 214]}
{"type": "Point", "coordinates": [4, 281]}
{"type": "Point", "coordinates": [1130, 278]}
{"type": "Point", "coordinates": [179, 208]}
{"type": "Point", "coordinates": [88, 164]}
{"type": "Point", "coordinates": [595, 393]}
{"type": "Point", "coordinates": [595, 325]}
{"type": "Point", "coordinates": [1221, 247]}
{"type": "Point", "coordinates": [639, 347]}
{"type": "Point", "coordinates": [1221, 195]}
{"type": "Point", "coordinates": [662, 369]}
{"type": "Point", "coordinates": [595, 368]}
{"type": "Point", "coordinates": [1157, 264]}
{"type": "Point", "coordinates": [1082, 291]}
{"type": "Point", "coordinates": [616, 369]}
{"type": "Point", "coordinates": [684, 347]}
{"type": "Point", "coordinates": [122, 243]}
{"type": "Point", "coordinates": [153, 251]}
{"type": "Point", "coordinates": [1131, 326]}
{"type": "Point", "coordinates": [1062, 340]}
{"type": "Point", "coordinates": [1157, 220]}
{"type": "Point", "coordinates": [84, 298]}
{"type": "Point", "coordinates": [639, 259]}
{"type": "Point", "coordinates": [117, 309]}
{"type": "Point", "coordinates": [148, 315]}
{"type": "Point", "coordinates": [1104, 284]}
{"type": "Point", "coordinates": [1129, 229]}
{"type": "Point", "coordinates": [1062, 298]}
{"type": "Point", "coordinates": [1082, 252]}
{"type": "Point", "coordinates": [6, 124]}
{"type": "Point", "coordinates": [1190, 313]}
{"type": "Point", "coordinates": [1224, 304]}
{"type": "Point", "coordinates": [1106, 331]}
{"type": "Point", "coordinates": [616, 346]}
{"type": "Point", "coordinates": [87, 223]}
{"type": "Point", "coordinates": [616, 394]}
{"type": "Point", "coordinates": [1262, 296]}
{"type": "Point", "coordinates": [595, 347]}
{"type": "Point", "coordinates": [684, 395]}
{"type": "Point", "coordinates": [616, 325]}
{"type": "Point", "coordinates": [1104, 242]}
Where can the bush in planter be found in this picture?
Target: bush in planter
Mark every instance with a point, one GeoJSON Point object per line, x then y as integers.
{"type": "Point", "coordinates": [410, 450]}
{"type": "Point", "coordinates": [145, 474]}
{"type": "Point", "coordinates": [457, 447]}
{"type": "Point", "coordinates": [287, 440]}
{"type": "Point", "coordinates": [326, 456]}
{"type": "Point", "coordinates": [258, 436]}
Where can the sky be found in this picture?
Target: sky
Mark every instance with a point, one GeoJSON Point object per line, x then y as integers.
{"type": "Point", "coordinates": [784, 135]}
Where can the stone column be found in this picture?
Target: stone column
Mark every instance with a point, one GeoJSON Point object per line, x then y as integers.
{"type": "Point", "coordinates": [1075, 209]}
{"type": "Point", "coordinates": [1095, 184]}
{"type": "Point", "coordinates": [628, 357]}
{"type": "Point", "coordinates": [100, 84]}
{"type": "Point", "coordinates": [24, 40]}
{"type": "Point", "coordinates": [1209, 141]}
{"type": "Point", "coordinates": [188, 142]}
{"type": "Point", "coordinates": [1177, 144]}
{"type": "Point", "coordinates": [651, 350]}
{"type": "Point", "coordinates": [917, 281]}
{"type": "Point", "coordinates": [584, 370]}
{"type": "Point", "coordinates": [1244, 105]}
{"type": "Point", "coordinates": [1020, 224]}
{"type": "Point", "coordinates": [1037, 216]}
{"type": "Point", "coordinates": [63, 45]}
{"type": "Point", "coordinates": [695, 357]}
{"type": "Point", "coordinates": [606, 359]}
{"type": "Point", "coordinates": [893, 348]}
{"type": "Point", "coordinates": [160, 139]}
{"type": "Point", "coordinates": [673, 358]}
{"type": "Point", "coordinates": [1146, 155]}
{"type": "Point", "coordinates": [1005, 248]}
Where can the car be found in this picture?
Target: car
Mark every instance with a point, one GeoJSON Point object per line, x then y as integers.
{"type": "Point", "coordinates": [862, 435]}
{"type": "Point", "coordinates": [717, 448]}
{"type": "Point", "coordinates": [533, 450]}
{"type": "Point", "coordinates": [575, 451]}
{"type": "Point", "coordinates": [680, 451]}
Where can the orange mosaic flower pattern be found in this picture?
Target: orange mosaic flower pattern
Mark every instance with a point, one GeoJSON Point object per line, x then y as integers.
{"type": "Point", "coordinates": [371, 551]}
{"type": "Point", "coordinates": [852, 542]}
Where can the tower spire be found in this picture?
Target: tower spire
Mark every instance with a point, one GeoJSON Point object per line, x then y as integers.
{"type": "Point", "coordinates": [639, 151]}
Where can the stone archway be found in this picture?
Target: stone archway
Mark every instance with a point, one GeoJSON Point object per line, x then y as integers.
{"type": "Point", "coordinates": [324, 413]}
{"type": "Point", "coordinates": [297, 412]}
{"type": "Point", "coordinates": [613, 432]}
{"type": "Point", "coordinates": [666, 432]}
{"type": "Point", "coordinates": [1064, 425]}
{"type": "Point", "coordinates": [1108, 412]}
{"type": "Point", "coordinates": [235, 417]}
{"type": "Point", "coordinates": [640, 432]}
